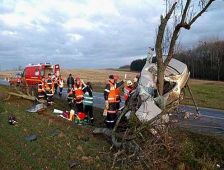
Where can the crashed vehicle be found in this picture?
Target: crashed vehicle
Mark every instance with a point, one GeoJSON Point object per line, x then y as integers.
{"type": "Point", "coordinates": [146, 103]}
{"type": "Point", "coordinates": [175, 80]}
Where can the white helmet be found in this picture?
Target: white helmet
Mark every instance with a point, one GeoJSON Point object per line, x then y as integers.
{"type": "Point", "coordinates": [129, 83]}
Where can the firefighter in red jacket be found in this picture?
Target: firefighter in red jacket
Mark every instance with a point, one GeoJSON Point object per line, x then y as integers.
{"type": "Point", "coordinates": [127, 90]}
{"type": "Point", "coordinates": [79, 94]}
{"type": "Point", "coordinates": [110, 96]}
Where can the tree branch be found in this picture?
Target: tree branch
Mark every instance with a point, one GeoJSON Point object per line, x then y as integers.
{"type": "Point", "coordinates": [185, 11]}
{"type": "Point", "coordinates": [160, 34]}
{"type": "Point", "coordinates": [200, 13]}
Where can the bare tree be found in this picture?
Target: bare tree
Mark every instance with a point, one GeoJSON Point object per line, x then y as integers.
{"type": "Point", "coordinates": [183, 13]}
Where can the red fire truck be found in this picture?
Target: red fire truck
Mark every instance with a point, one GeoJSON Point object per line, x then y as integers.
{"type": "Point", "coordinates": [33, 74]}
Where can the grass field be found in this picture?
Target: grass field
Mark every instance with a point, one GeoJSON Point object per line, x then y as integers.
{"type": "Point", "coordinates": [74, 143]}
{"type": "Point", "coordinates": [77, 144]}
{"type": "Point", "coordinates": [207, 93]}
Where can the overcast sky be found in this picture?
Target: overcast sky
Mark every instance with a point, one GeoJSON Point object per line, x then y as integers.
{"type": "Point", "coordinates": [89, 33]}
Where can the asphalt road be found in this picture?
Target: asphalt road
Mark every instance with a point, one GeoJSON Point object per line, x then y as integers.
{"type": "Point", "coordinates": [210, 120]}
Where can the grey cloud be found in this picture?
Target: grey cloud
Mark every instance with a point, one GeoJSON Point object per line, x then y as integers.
{"type": "Point", "coordinates": [117, 40]}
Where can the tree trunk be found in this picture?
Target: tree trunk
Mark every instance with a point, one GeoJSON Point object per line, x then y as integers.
{"type": "Point", "coordinates": [160, 78]}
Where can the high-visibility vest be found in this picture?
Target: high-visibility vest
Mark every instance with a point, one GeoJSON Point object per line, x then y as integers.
{"type": "Point", "coordinates": [88, 100]}
{"type": "Point", "coordinates": [112, 96]}
{"type": "Point", "coordinates": [127, 91]}
{"type": "Point", "coordinates": [49, 85]}
{"type": "Point", "coordinates": [117, 91]}
{"type": "Point", "coordinates": [78, 92]}
{"type": "Point", "coordinates": [41, 87]}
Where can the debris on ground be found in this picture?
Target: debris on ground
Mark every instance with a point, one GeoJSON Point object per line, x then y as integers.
{"type": "Point", "coordinates": [31, 138]}
{"type": "Point", "coordinates": [12, 120]}
{"type": "Point", "coordinates": [37, 108]}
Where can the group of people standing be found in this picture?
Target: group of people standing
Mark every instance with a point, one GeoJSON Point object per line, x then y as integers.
{"type": "Point", "coordinates": [80, 94]}
{"type": "Point", "coordinates": [48, 86]}
{"type": "Point", "coordinates": [112, 96]}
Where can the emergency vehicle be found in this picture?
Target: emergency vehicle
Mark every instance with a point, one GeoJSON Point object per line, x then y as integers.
{"type": "Point", "coordinates": [33, 74]}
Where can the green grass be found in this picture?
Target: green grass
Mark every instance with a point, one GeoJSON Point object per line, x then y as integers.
{"type": "Point", "coordinates": [77, 143]}
{"type": "Point", "coordinates": [200, 151]}
{"type": "Point", "coordinates": [47, 152]}
{"type": "Point", "coordinates": [207, 94]}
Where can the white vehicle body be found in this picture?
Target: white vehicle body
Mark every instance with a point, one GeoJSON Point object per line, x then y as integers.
{"type": "Point", "coordinates": [176, 77]}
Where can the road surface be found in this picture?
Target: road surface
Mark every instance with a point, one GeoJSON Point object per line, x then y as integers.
{"type": "Point", "coordinates": [210, 120]}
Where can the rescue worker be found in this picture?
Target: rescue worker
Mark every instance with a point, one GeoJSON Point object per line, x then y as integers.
{"type": "Point", "coordinates": [56, 83]}
{"type": "Point", "coordinates": [61, 85]}
{"type": "Point", "coordinates": [79, 94]}
{"type": "Point", "coordinates": [49, 88]}
{"type": "Point", "coordinates": [110, 96]}
{"type": "Point", "coordinates": [41, 89]}
{"type": "Point", "coordinates": [70, 82]}
{"type": "Point", "coordinates": [136, 80]}
{"type": "Point", "coordinates": [118, 97]}
{"type": "Point", "coordinates": [70, 99]}
{"type": "Point", "coordinates": [88, 101]}
{"type": "Point", "coordinates": [127, 90]}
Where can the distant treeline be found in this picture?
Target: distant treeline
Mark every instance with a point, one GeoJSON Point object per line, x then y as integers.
{"type": "Point", "coordinates": [137, 65]}
{"type": "Point", "coordinates": [206, 61]}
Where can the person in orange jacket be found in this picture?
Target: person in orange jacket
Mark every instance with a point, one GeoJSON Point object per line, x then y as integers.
{"type": "Point", "coordinates": [111, 100]}
{"type": "Point", "coordinates": [79, 94]}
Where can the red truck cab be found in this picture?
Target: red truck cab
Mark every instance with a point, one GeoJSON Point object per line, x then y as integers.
{"type": "Point", "coordinates": [33, 74]}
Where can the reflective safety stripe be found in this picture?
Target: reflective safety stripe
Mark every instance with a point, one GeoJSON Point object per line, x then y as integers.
{"type": "Point", "coordinates": [79, 96]}
{"type": "Point", "coordinates": [107, 90]}
{"type": "Point", "coordinates": [88, 101]}
{"type": "Point", "coordinates": [88, 97]}
{"type": "Point", "coordinates": [50, 94]}
{"type": "Point", "coordinates": [111, 111]}
{"type": "Point", "coordinates": [110, 121]}
{"type": "Point", "coordinates": [41, 96]}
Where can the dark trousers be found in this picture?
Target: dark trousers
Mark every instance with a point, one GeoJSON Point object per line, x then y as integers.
{"type": "Point", "coordinates": [79, 107]}
{"type": "Point", "coordinates": [60, 91]}
{"type": "Point", "coordinates": [111, 115]}
{"type": "Point", "coordinates": [89, 111]}
{"type": "Point", "coordinates": [55, 88]}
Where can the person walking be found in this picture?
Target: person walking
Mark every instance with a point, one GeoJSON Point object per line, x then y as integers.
{"type": "Point", "coordinates": [70, 82]}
